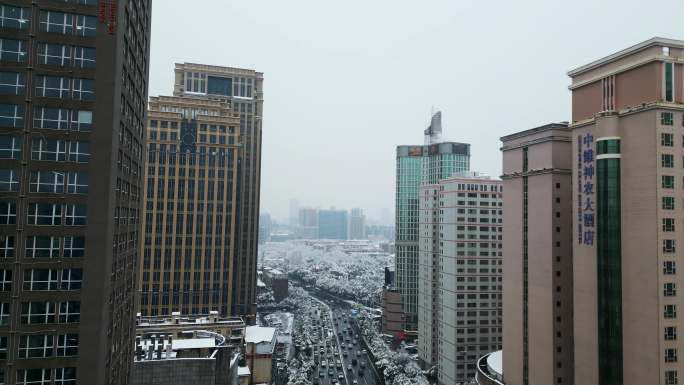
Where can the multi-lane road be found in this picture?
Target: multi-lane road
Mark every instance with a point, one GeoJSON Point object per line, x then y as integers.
{"type": "Point", "coordinates": [340, 357]}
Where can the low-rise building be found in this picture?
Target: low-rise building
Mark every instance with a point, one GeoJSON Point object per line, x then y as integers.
{"type": "Point", "coordinates": [260, 346]}
{"type": "Point", "coordinates": [277, 281]}
{"type": "Point", "coordinates": [197, 357]}
{"type": "Point", "coordinates": [392, 312]}
{"type": "Point", "coordinates": [232, 328]}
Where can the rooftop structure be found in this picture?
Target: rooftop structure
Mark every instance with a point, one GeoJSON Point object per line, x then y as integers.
{"type": "Point", "coordinates": [232, 328]}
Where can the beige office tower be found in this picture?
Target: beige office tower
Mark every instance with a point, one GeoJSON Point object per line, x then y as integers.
{"type": "Point", "coordinates": [459, 299]}
{"type": "Point", "coordinates": [537, 262]}
{"type": "Point", "coordinates": [191, 192]}
{"type": "Point", "coordinates": [628, 147]}
{"type": "Point", "coordinates": [244, 89]}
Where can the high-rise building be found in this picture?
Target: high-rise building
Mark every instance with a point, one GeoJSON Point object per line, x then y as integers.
{"type": "Point", "coordinates": [537, 263]}
{"type": "Point", "coordinates": [294, 212]}
{"type": "Point", "coordinates": [264, 227]}
{"type": "Point", "coordinates": [73, 92]}
{"type": "Point", "coordinates": [243, 88]}
{"type": "Point", "coordinates": [357, 224]}
{"type": "Point", "coordinates": [627, 125]}
{"type": "Point", "coordinates": [333, 224]}
{"type": "Point", "coordinates": [191, 181]}
{"type": "Point", "coordinates": [308, 223]}
{"type": "Point", "coordinates": [459, 285]}
{"type": "Point", "coordinates": [415, 166]}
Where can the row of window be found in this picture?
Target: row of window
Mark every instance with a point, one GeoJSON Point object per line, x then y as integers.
{"type": "Point", "coordinates": [202, 127]}
{"type": "Point", "coordinates": [44, 279]}
{"type": "Point", "coordinates": [49, 54]}
{"type": "Point", "coordinates": [43, 346]}
{"type": "Point", "coordinates": [50, 21]}
{"type": "Point", "coordinates": [14, 83]}
{"type": "Point", "coordinates": [45, 246]}
{"type": "Point", "coordinates": [45, 214]}
{"type": "Point", "coordinates": [55, 182]}
{"type": "Point", "coordinates": [44, 312]}
{"type": "Point", "coordinates": [667, 119]}
{"type": "Point", "coordinates": [12, 115]}
{"type": "Point", "coordinates": [46, 376]}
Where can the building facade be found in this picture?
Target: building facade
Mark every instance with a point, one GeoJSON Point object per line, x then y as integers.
{"type": "Point", "coordinates": [333, 224]}
{"type": "Point", "coordinates": [244, 89]}
{"type": "Point", "coordinates": [459, 300]}
{"type": "Point", "coordinates": [308, 223]}
{"type": "Point", "coordinates": [627, 149]}
{"type": "Point", "coordinates": [357, 224]}
{"type": "Point", "coordinates": [191, 204]}
{"type": "Point", "coordinates": [73, 92]}
{"type": "Point", "coordinates": [415, 166]}
{"type": "Point", "coordinates": [537, 263]}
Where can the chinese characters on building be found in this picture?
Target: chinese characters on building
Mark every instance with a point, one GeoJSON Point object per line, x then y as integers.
{"type": "Point", "coordinates": [586, 209]}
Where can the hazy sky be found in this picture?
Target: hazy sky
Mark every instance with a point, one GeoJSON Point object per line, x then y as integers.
{"type": "Point", "coordinates": [347, 81]}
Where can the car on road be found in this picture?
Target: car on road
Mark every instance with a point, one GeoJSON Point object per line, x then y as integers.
{"type": "Point", "coordinates": [349, 367]}
{"type": "Point", "coordinates": [363, 364]}
{"type": "Point", "coordinates": [340, 377]}
{"type": "Point", "coordinates": [364, 351]}
{"type": "Point", "coordinates": [344, 353]}
{"type": "Point", "coordinates": [331, 372]}
{"type": "Point", "coordinates": [358, 353]}
{"type": "Point", "coordinates": [321, 373]}
{"type": "Point", "coordinates": [355, 382]}
{"type": "Point", "coordinates": [324, 363]}
{"type": "Point", "coordinates": [354, 362]}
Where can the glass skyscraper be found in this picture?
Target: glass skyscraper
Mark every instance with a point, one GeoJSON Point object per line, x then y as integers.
{"type": "Point", "coordinates": [418, 165]}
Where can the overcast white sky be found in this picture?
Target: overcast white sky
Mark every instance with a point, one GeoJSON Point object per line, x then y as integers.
{"type": "Point", "coordinates": [347, 81]}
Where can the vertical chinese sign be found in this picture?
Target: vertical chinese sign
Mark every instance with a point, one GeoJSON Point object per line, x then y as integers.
{"type": "Point", "coordinates": [107, 14]}
{"type": "Point", "coordinates": [586, 211]}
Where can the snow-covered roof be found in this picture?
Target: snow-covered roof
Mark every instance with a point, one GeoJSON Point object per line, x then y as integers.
{"type": "Point", "coordinates": [494, 362]}
{"type": "Point", "coordinates": [257, 334]}
{"type": "Point", "coordinates": [260, 283]}
{"type": "Point", "coordinates": [243, 371]}
{"type": "Point", "coordinates": [193, 343]}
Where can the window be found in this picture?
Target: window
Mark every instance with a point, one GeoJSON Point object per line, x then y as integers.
{"type": "Point", "coordinates": [67, 345]}
{"type": "Point", "coordinates": [14, 17]}
{"type": "Point", "coordinates": [11, 115]}
{"type": "Point", "coordinates": [57, 22]}
{"type": "Point", "coordinates": [71, 279]}
{"type": "Point", "coordinates": [74, 247]}
{"type": "Point", "coordinates": [667, 160]}
{"type": "Point", "coordinates": [670, 355]}
{"type": "Point", "coordinates": [12, 50]}
{"type": "Point", "coordinates": [3, 352]}
{"type": "Point", "coordinates": [9, 180]}
{"type": "Point", "coordinates": [668, 203]}
{"type": "Point", "coordinates": [47, 182]}
{"type": "Point", "coordinates": [44, 214]}
{"type": "Point", "coordinates": [669, 289]}
{"type": "Point", "coordinates": [666, 118]}
{"type": "Point", "coordinates": [670, 311]}
{"type": "Point", "coordinates": [670, 333]}
{"type": "Point", "coordinates": [35, 346]}
{"type": "Point", "coordinates": [669, 267]}
{"type": "Point", "coordinates": [668, 245]}
{"type": "Point", "coordinates": [54, 54]}
{"type": "Point", "coordinates": [69, 312]}
{"type": "Point", "coordinates": [48, 149]}
{"type": "Point", "coordinates": [51, 118]}
{"type": "Point", "coordinates": [34, 376]}
{"type": "Point", "coordinates": [12, 83]}
{"type": "Point", "coordinates": [77, 183]}
{"type": "Point", "coordinates": [79, 152]}
{"type": "Point", "coordinates": [671, 377]}
{"type": "Point", "coordinates": [81, 120]}
{"type": "Point", "coordinates": [8, 213]}
{"type": "Point", "coordinates": [666, 139]}
{"type": "Point", "coordinates": [84, 57]}
{"type": "Point", "coordinates": [6, 246]}
{"type": "Point", "coordinates": [40, 279]}
{"type": "Point", "coordinates": [53, 87]}
{"type": "Point", "coordinates": [84, 89]}
{"type": "Point", "coordinates": [65, 376]}
{"type": "Point", "coordinates": [5, 280]}
{"type": "Point", "coordinates": [668, 78]}
{"type": "Point", "coordinates": [42, 246]}
{"type": "Point", "coordinates": [4, 313]}
{"type": "Point", "coordinates": [667, 181]}
{"type": "Point", "coordinates": [37, 313]}
{"type": "Point", "coordinates": [76, 215]}
{"type": "Point", "coordinates": [86, 25]}
{"type": "Point", "coordinates": [668, 224]}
